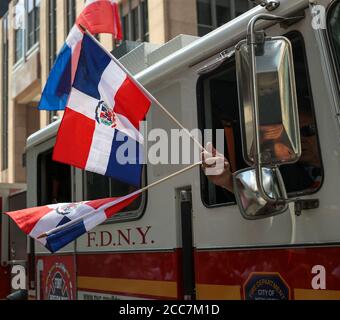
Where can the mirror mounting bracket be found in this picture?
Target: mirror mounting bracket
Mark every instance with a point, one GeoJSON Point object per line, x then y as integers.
{"type": "Point", "coordinates": [270, 5]}
{"type": "Point", "coordinates": [308, 204]}
{"type": "Point", "coordinates": [260, 37]}
{"type": "Point", "coordinates": [292, 20]}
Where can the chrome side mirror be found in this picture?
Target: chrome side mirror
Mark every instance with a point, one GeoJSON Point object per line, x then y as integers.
{"type": "Point", "coordinates": [251, 204]}
{"type": "Point", "coordinates": [269, 120]}
{"type": "Point", "coordinates": [274, 102]}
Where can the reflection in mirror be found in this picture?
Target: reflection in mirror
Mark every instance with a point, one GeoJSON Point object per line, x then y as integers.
{"type": "Point", "coordinates": [277, 102]}
{"type": "Point", "coordinates": [251, 204]}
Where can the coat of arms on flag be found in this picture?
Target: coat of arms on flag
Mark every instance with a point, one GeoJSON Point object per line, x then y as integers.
{"type": "Point", "coordinates": [105, 115]}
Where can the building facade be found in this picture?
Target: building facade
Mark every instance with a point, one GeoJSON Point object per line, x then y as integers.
{"type": "Point", "coordinates": [33, 31]}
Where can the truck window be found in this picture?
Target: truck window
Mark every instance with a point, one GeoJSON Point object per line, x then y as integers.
{"type": "Point", "coordinates": [54, 186]}
{"type": "Point", "coordinates": [333, 21]}
{"type": "Point", "coordinates": [218, 108]}
{"type": "Point", "coordinates": [99, 187]}
{"type": "Point", "coordinates": [54, 180]}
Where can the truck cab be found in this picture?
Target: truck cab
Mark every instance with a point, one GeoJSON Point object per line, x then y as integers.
{"type": "Point", "coordinates": [188, 238]}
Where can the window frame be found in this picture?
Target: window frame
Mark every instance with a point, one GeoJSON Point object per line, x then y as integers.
{"type": "Point", "coordinates": [126, 216]}
{"type": "Point", "coordinates": [5, 92]}
{"type": "Point", "coordinates": [201, 120]}
{"type": "Point", "coordinates": [79, 182]}
{"type": "Point", "coordinates": [27, 50]}
{"type": "Point", "coordinates": [52, 34]}
{"type": "Point", "coordinates": [142, 28]}
{"type": "Point", "coordinates": [335, 58]}
{"type": "Point", "coordinates": [213, 14]}
{"type": "Point", "coordinates": [41, 177]}
{"type": "Point", "coordinates": [70, 14]}
{"type": "Point", "coordinates": [36, 26]}
{"type": "Point", "coordinates": [19, 59]}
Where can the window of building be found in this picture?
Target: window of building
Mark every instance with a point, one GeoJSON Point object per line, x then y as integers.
{"type": "Point", "coordinates": [125, 26]}
{"type": "Point", "coordinates": [70, 14]}
{"type": "Point", "coordinates": [33, 22]}
{"type": "Point", "coordinates": [219, 109]}
{"type": "Point", "coordinates": [26, 25]}
{"type": "Point", "coordinates": [19, 27]}
{"type": "Point", "coordinates": [145, 19]}
{"type": "Point", "coordinates": [4, 135]}
{"type": "Point", "coordinates": [214, 13]}
{"type": "Point", "coordinates": [135, 21]}
{"type": "Point", "coordinates": [52, 42]}
{"type": "Point", "coordinates": [334, 32]}
{"type": "Point", "coordinates": [52, 32]}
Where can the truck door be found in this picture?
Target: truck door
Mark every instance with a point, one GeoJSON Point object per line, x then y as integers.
{"type": "Point", "coordinates": [55, 275]}
{"type": "Point", "coordinates": [224, 267]}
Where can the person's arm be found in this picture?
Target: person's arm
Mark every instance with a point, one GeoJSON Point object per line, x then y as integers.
{"type": "Point", "coordinates": [217, 168]}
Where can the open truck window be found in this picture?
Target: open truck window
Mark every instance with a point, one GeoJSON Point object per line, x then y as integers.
{"type": "Point", "coordinates": [54, 180]}
{"type": "Point", "coordinates": [218, 108]}
{"type": "Point", "coordinates": [54, 186]}
{"type": "Point", "coordinates": [98, 187]}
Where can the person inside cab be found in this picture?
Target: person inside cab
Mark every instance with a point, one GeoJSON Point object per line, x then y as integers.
{"type": "Point", "coordinates": [304, 175]}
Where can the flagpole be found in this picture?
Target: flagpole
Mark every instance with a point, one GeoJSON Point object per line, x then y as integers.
{"type": "Point", "coordinates": [142, 88]}
{"type": "Point", "coordinates": [120, 200]}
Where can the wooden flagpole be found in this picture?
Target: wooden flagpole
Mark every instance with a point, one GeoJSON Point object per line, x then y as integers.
{"type": "Point", "coordinates": [142, 88]}
{"type": "Point", "coordinates": [120, 200]}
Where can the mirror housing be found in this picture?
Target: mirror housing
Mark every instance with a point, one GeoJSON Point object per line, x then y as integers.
{"type": "Point", "coordinates": [275, 101]}
{"type": "Point", "coordinates": [269, 120]}
{"type": "Point", "coordinates": [249, 200]}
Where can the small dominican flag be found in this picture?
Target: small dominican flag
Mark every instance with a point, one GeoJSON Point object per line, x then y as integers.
{"type": "Point", "coordinates": [100, 128]}
{"type": "Point", "coordinates": [98, 16]}
{"type": "Point", "coordinates": [37, 221]}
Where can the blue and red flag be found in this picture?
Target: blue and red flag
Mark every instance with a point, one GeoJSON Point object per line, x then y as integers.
{"type": "Point", "coordinates": [85, 215]}
{"type": "Point", "coordinates": [100, 127]}
{"type": "Point", "coordinates": [98, 16]}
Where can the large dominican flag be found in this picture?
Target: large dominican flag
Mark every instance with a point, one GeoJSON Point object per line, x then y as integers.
{"type": "Point", "coordinates": [100, 128]}
{"type": "Point", "coordinates": [98, 16]}
{"type": "Point", "coordinates": [85, 215]}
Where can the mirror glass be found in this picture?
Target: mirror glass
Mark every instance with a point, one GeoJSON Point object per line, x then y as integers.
{"type": "Point", "coordinates": [277, 102]}
{"type": "Point", "coordinates": [249, 200]}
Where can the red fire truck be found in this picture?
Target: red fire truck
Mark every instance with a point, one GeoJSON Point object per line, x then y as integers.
{"type": "Point", "coordinates": [278, 235]}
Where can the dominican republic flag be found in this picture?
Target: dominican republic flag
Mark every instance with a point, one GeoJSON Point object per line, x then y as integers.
{"type": "Point", "coordinates": [100, 127]}
{"type": "Point", "coordinates": [98, 16]}
{"type": "Point", "coordinates": [76, 218]}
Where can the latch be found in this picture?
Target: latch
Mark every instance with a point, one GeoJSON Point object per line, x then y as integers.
{"type": "Point", "coordinates": [307, 204]}
{"type": "Point", "coordinates": [223, 56]}
{"type": "Point", "coordinates": [270, 5]}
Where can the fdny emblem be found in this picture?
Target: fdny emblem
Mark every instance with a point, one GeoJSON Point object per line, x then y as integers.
{"type": "Point", "coordinates": [66, 209]}
{"type": "Point", "coordinates": [105, 115]}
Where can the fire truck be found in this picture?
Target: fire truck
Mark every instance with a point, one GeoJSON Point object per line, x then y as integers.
{"type": "Point", "coordinates": [273, 69]}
